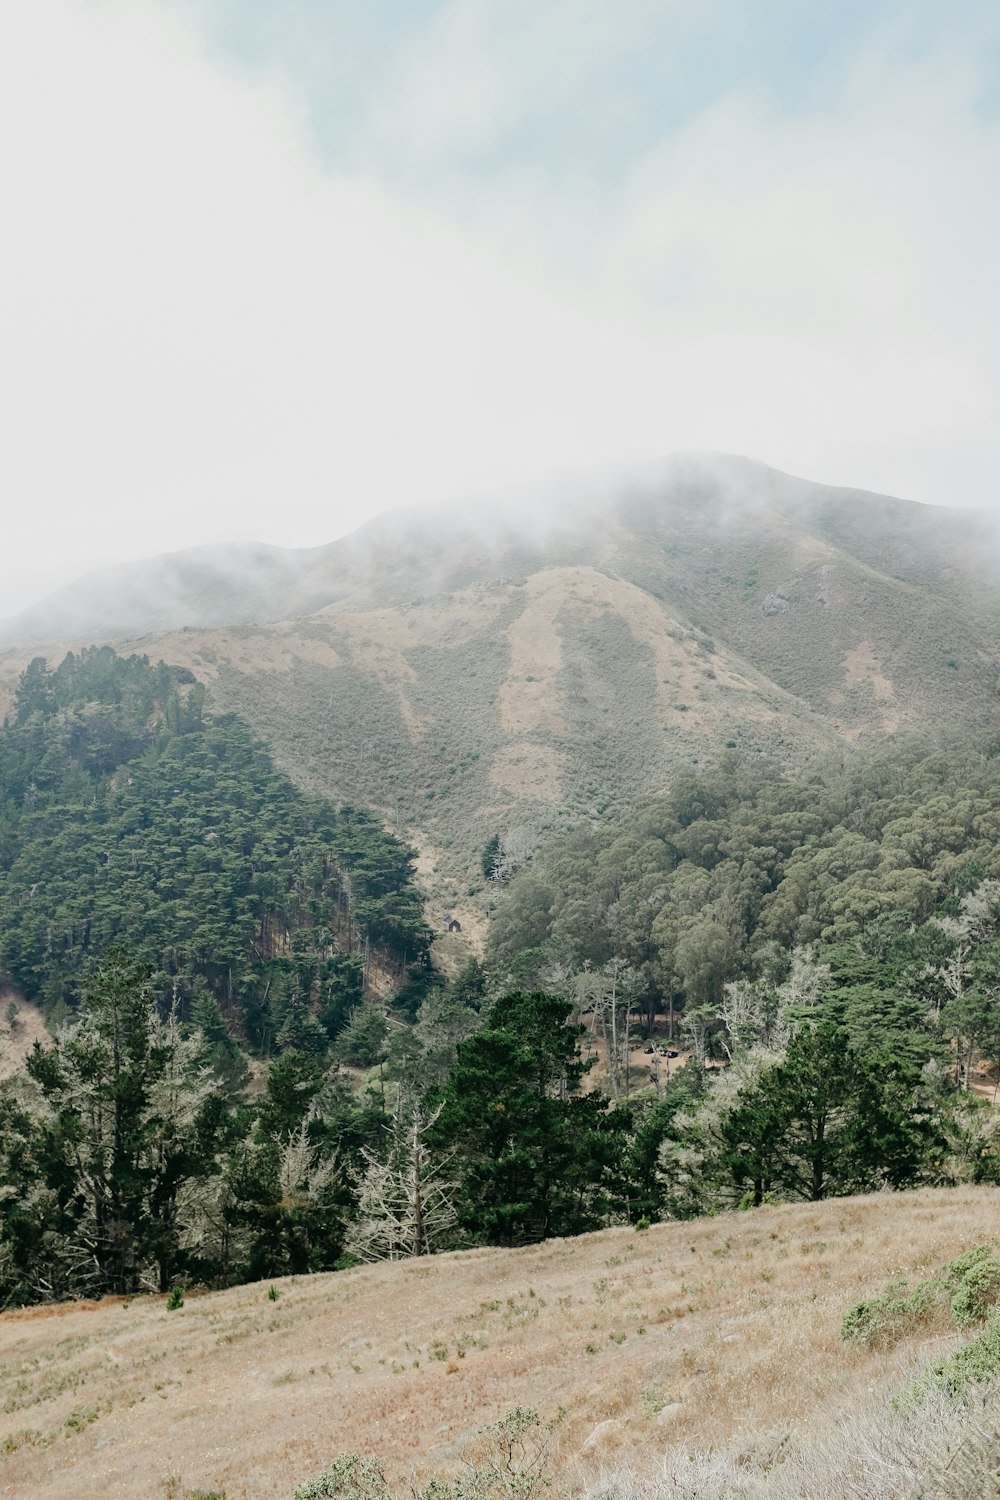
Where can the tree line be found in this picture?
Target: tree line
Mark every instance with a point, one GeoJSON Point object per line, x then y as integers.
{"type": "Point", "coordinates": [129, 1163]}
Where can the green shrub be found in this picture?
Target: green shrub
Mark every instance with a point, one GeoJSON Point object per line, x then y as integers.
{"type": "Point", "coordinates": [974, 1364]}
{"type": "Point", "coordinates": [973, 1280]}
{"type": "Point", "coordinates": [175, 1298]}
{"type": "Point", "coordinates": [891, 1315]}
{"type": "Point", "coordinates": [503, 1462]}
{"type": "Point", "coordinates": [348, 1478]}
{"type": "Point", "coordinates": [967, 1286]}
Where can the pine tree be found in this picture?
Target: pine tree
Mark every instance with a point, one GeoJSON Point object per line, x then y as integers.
{"type": "Point", "coordinates": [127, 1114]}
{"type": "Point", "coordinates": [536, 1157]}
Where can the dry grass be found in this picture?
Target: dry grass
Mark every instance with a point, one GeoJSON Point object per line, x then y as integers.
{"type": "Point", "coordinates": [935, 1451]}
{"type": "Point", "coordinates": [528, 700]}
{"type": "Point", "coordinates": [697, 1334]}
{"type": "Point", "coordinates": [18, 1035]}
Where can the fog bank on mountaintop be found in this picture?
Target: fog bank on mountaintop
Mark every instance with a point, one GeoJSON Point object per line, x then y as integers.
{"type": "Point", "coordinates": [423, 551]}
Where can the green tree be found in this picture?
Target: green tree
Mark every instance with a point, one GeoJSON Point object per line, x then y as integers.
{"type": "Point", "coordinates": [845, 1121]}
{"type": "Point", "coordinates": [535, 1157]}
{"type": "Point", "coordinates": [129, 1113]}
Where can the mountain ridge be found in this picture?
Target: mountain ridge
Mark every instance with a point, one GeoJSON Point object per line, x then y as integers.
{"type": "Point", "coordinates": [551, 660]}
{"type": "Point", "coordinates": [281, 583]}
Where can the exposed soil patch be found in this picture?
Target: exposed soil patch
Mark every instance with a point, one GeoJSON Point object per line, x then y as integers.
{"type": "Point", "coordinates": [529, 700]}
{"type": "Point", "coordinates": [861, 665]}
{"type": "Point", "coordinates": [19, 1032]}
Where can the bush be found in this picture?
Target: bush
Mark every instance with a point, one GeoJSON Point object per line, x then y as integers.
{"type": "Point", "coordinates": [968, 1287]}
{"type": "Point", "coordinates": [973, 1280]}
{"type": "Point", "coordinates": [348, 1478]}
{"type": "Point", "coordinates": [891, 1315]}
{"type": "Point", "coordinates": [976, 1363]}
{"type": "Point", "coordinates": [503, 1462]}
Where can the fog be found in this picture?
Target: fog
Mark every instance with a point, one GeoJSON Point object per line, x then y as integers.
{"type": "Point", "coordinates": [213, 330]}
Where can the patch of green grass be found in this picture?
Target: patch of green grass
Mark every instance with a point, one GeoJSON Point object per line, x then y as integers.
{"type": "Point", "coordinates": [81, 1417]}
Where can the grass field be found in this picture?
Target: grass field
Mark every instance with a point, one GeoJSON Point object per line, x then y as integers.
{"type": "Point", "coordinates": [684, 1337]}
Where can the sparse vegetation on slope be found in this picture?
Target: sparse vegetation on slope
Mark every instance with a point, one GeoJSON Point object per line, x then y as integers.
{"type": "Point", "coordinates": [721, 1335]}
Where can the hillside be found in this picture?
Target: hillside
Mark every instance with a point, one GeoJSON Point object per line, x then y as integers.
{"type": "Point", "coordinates": [723, 1333]}
{"type": "Point", "coordinates": [467, 673]}
{"type": "Point", "coordinates": [129, 816]}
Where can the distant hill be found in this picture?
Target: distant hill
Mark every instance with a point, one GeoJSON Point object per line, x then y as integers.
{"type": "Point", "coordinates": [468, 671]}
{"type": "Point", "coordinates": [223, 585]}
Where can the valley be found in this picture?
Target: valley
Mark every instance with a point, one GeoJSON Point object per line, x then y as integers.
{"type": "Point", "coordinates": [413, 844]}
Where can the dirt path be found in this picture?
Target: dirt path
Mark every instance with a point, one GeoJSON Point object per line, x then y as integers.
{"type": "Point", "coordinates": [18, 1032]}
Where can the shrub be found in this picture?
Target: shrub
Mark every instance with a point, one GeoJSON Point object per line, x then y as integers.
{"type": "Point", "coordinates": [891, 1315]}
{"type": "Point", "coordinates": [976, 1363]}
{"type": "Point", "coordinates": [503, 1462]}
{"type": "Point", "coordinates": [348, 1478]}
{"type": "Point", "coordinates": [973, 1280]}
{"type": "Point", "coordinates": [175, 1298]}
{"type": "Point", "coordinates": [968, 1287]}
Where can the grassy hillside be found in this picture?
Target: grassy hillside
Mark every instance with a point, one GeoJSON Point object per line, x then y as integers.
{"type": "Point", "coordinates": [721, 1334]}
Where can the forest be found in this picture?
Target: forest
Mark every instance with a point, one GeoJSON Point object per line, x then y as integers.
{"type": "Point", "coordinates": [228, 1096]}
{"type": "Point", "coordinates": [129, 816]}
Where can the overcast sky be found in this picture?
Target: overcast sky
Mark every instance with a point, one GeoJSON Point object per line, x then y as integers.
{"type": "Point", "coordinates": [269, 268]}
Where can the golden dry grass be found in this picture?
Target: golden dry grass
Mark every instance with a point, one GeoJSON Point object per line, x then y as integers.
{"type": "Point", "coordinates": [19, 1035]}
{"type": "Point", "coordinates": [693, 1333]}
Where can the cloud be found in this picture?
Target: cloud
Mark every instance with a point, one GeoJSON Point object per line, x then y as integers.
{"type": "Point", "coordinates": [207, 334]}
{"type": "Point", "coordinates": [479, 71]}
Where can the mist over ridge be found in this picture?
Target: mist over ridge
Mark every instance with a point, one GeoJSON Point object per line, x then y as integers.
{"type": "Point", "coordinates": [441, 547]}
{"type": "Point", "coordinates": [520, 660]}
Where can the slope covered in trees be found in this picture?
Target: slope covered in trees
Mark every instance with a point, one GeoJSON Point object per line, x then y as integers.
{"type": "Point", "coordinates": [130, 816]}
{"type": "Point", "coordinates": [724, 876]}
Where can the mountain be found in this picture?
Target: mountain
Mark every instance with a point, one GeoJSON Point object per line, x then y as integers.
{"type": "Point", "coordinates": [473, 670]}
{"type": "Point", "coordinates": [222, 585]}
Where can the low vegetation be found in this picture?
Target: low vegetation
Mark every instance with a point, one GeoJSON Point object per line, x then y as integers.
{"type": "Point", "coordinates": [712, 1346]}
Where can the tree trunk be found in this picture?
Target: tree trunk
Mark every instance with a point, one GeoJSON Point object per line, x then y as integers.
{"type": "Point", "coordinates": [418, 1204]}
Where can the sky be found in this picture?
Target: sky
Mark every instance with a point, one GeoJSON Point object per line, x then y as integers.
{"type": "Point", "coordinates": [268, 269]}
